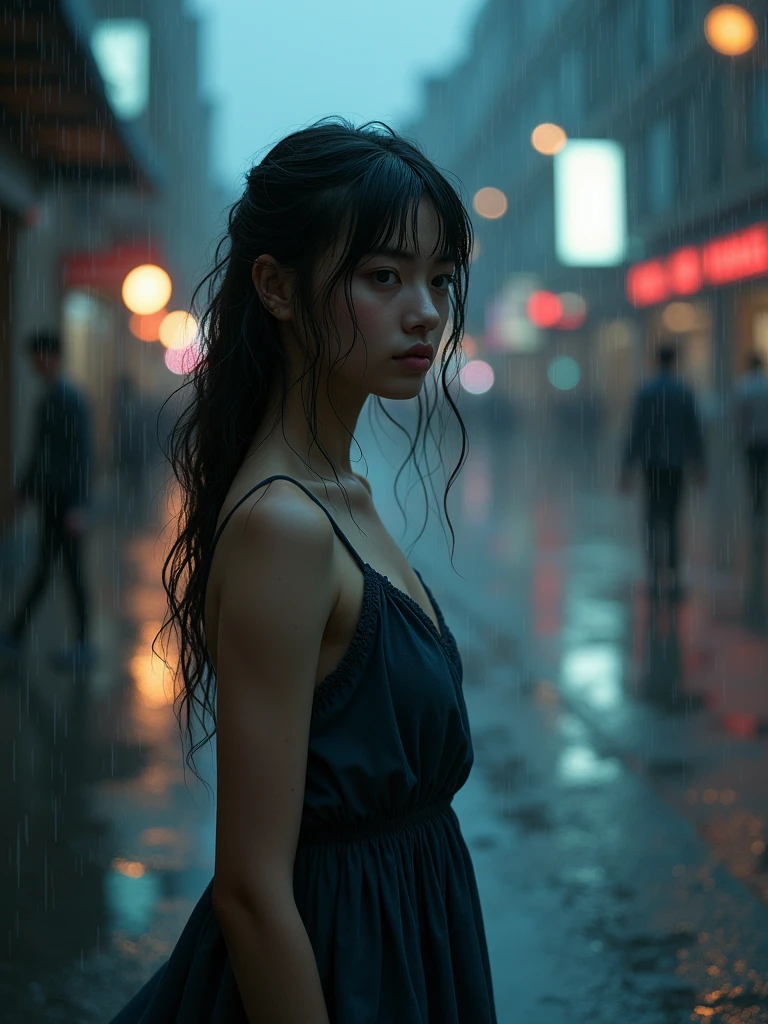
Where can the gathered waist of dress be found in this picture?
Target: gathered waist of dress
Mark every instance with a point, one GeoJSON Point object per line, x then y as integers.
{"type": "Point", "coordinates": [378, 827]}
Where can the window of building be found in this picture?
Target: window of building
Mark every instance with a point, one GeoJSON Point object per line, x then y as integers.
{"type": "Point", "coordinates": [573, 88]}
{"type": "Point", "coordinates": [660, 166]}
{"type": "Point", "coordinates": [658, 29]}
{"type": "Point", "coordinates": [713, 127]}
{"type": "Point", "coordinates": [758, 117]}
{"type": "Point", "coordinates": [684, 148]}
{"type": "Point", "coordinates": [628, 35]}
{"type": "Point", "coordinates": [682, 17]}
{"type": "Point", "coordinates": [602, 51]}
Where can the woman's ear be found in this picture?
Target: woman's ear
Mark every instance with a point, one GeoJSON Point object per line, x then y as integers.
{"type": "Point", "coordinates": [274, 285]}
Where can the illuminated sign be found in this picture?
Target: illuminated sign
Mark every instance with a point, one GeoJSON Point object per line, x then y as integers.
{"type": "Point", "coordinates": [590, 203]}
{"type": "Point", "coordinates": [121, 49]}
{"type": "Point", "coordinates": [685, 271]}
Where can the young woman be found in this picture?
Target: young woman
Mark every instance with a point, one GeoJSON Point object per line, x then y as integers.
{"type": "Point", "coordinates": [343, 889]}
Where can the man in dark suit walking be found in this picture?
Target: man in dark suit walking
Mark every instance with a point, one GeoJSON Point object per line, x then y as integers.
{"type": "Point", "coordinates": [664, 437]}
{"type": "Point", "coordinates": [57, 479]}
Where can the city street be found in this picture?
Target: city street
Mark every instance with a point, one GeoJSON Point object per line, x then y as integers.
{"type": "Point", "coordinates": [616, 810]}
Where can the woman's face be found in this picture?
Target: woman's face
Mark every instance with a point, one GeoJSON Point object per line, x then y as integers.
{"type": "Point", "coordinates": [400, 299]}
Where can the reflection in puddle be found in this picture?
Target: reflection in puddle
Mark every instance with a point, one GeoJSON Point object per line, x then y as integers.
{"type": "Point", "coordinates": [579, 765]}
{"type": "Point", "coordinates": [131, 894]}
{"type": "Point", "coordinates": [595, 672]}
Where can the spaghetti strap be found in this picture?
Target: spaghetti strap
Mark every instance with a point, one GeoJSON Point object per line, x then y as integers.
{"type": "Point", "coordinates": [279, 476]}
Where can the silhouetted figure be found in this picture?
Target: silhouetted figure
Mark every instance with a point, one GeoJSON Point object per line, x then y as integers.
{"type": "Point", "coordinates": [664, 437]}
{"type": "Point", "coordinates": [750, 404]}
{"type": "Point", "coordinates": [57, 480]}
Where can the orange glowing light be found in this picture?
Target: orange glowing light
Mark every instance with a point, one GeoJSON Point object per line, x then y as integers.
{"type": "Point", "coordinates": [469, 345]}
{"type": "Point", "coordinates": [680, 317]}
{"type": "Point", "coordinates": [178, 329]}
{"type": "Point", "coordinates": [147, 327]}
{"type": "Point", "coordinates": [730, 30]}
{"type": "Point", "coordinates": [146, 289]}
{"type": "Point", "coordinates": [490, 203]}
{"type": "Point", "coordinates": [548, 138]}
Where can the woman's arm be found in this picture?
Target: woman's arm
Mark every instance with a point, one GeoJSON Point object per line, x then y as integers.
{"type": "Point", "coordinates": [276, 594]}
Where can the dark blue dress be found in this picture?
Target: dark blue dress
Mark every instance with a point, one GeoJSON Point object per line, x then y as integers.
{"type": "Point", "coordinates": [383, 878]}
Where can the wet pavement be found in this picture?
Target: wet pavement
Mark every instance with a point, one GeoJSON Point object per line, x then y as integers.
{"type": "Point", "coordinates": [616, 812]}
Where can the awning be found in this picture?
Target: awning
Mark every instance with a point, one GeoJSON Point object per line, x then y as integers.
{"type": "Point", "coordinates": [104, 270]}
{"type": "Point", "coordinates": [53, 104]}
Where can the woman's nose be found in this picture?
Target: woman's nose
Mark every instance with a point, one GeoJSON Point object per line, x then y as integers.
{"type": "Point", "coordinates": [424, 314]}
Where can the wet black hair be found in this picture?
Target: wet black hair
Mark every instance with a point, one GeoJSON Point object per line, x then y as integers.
{"type": "Point", "coordinates": [43, 343]}
{"type": "Point", "coordinates": [329, 184]}
{"type": "Point", "coordinates": [666, 356]}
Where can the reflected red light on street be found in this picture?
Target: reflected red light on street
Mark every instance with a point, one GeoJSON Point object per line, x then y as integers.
{"type": "Point", "coordinates": [740, 724]}
{"type": "Point", "coordinates": [734, 257]}
{"type": "Point", "coordinates": [544, 309]}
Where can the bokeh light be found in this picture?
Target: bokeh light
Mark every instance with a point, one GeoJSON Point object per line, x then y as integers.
{"type": "Point", "coordinates": [147, 327]}
{"type": "Point", "coordinates": [544, 309]}
{"type": "Point", "coordinates": [490, 203]}
{"type": "Point", "coordinates": [617, 334]}
{"type": "Point", "coordinates": [548, 138]}
{"type": "Point", "coordinates": [564, 373]}
{"type": "Point", "coordinates": [178, 329]}
{"type": "Point", "coordinates": [476, 376]}
{"type": "Point", "coordinates": [730, 29]}
{"type": "Point", "coordinates": [574, 311]}
{"type": "Point", "coordinates": [146, 289]}
{"type": "Point", "coordinates": [680, 317]}
{"type": "Point", "coordinates": [183, 360]}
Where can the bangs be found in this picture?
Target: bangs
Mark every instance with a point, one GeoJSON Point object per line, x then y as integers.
{"type": "Point", "coordinates": [382, 212]}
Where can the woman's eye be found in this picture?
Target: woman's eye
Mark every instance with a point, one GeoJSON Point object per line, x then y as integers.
{"type": "Point", "coordinates": [446, 280]}
{"type": "Point", "coordinates": [378, 274]}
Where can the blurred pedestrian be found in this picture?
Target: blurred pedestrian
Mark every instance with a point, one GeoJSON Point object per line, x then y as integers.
{"type": "Point", "coordinates": [57, 480]}
{"type": "Point", "coordinates": [750, 402]}
{"type": "Point", "coordinates": [664, 437]}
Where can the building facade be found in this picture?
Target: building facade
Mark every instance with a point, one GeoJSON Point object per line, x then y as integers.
{"type": "Point", "coordinates": [693, 125]}
{"type": "Point", "coordinates": [88, 189]}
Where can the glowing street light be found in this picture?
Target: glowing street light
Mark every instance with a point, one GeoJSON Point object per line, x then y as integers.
{"type": "Point", "coordinates": [490, 203]}
{"type": "Point", "coordinates": [178, 329]}
{"type": "Point", "coordinates": [730, 29]}
{"type": "Point", "coordinates": [146, 289]}
{"type": "Point", "coordinates": [147, 327]}
{"type": "Point", "coordinates": [548, 138]}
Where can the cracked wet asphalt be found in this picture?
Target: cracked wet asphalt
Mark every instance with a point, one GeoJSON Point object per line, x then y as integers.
{"type": "Point", "coordinates": [615, 814]}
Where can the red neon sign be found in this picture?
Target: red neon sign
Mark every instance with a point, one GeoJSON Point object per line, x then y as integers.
{"type": "Point", "coordinates": [685, 271]}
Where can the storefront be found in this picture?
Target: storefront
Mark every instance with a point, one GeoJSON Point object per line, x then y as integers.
{"type": "Point", "coordinates": [60, 136]}
{"type": "Point", "coordinates": [711, 300]}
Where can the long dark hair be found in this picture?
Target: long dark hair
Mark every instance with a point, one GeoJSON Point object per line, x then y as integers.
{"type": "Point", "coordinates": [329, 183]}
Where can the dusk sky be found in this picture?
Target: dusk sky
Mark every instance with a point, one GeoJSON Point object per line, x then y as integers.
{"type": "Point", "coordinates": [273, 67]}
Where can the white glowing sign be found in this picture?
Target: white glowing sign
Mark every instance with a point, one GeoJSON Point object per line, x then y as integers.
{"type": "Point", "coordinates": [590, 204]}
{"type": "Point", "coordinates": [121, 49]}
